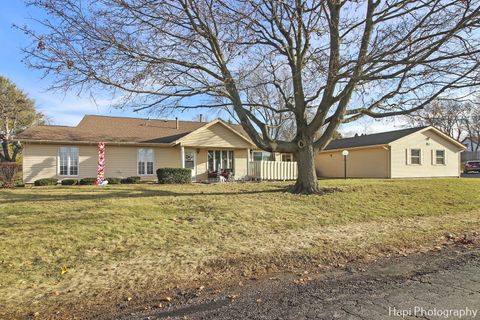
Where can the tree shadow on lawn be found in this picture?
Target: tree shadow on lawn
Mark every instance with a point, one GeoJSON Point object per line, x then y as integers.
{"type": "Point", "coordinates": [116, 193]}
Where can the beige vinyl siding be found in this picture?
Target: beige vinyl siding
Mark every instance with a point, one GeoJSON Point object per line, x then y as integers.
{"type": "Point", "coordinates": [215, 136]}
{"type": "Point", "coordinates": [241, 163]}
{"type": "Point", "coordinates": [41, 161]}
{"type": "Point", "coordinates": [168, 157]}
{"type": "Point", "coordinates": [428, 141]}
{"type": "Point", "coordinates": [122, 161]}
{"type": "Point", "coordinates": [361, 163]}
{"type": "Point", "coordinates": [201, 165]}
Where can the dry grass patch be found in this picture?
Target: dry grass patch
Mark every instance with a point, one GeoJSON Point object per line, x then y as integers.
{"type": "Point", "coordinates": [65, 246]}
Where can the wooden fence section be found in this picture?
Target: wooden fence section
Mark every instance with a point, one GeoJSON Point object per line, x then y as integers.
{"type": "Point", "coordinates": [272, 170]}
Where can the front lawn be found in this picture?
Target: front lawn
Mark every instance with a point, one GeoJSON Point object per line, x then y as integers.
{"type": "Point", "coordinates": [69, 249]}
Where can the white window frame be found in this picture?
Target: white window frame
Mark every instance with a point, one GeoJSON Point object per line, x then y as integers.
{"type": "Point", "coordinates": [145, 162]}
{"type": "Point", "coordinates": [420, 160]}
{"type": "Point", "coordinates": [257, 152]}
{"type": "Point", "coordinates": [435, 157]}
{"type": "Point", "coordinates": [227, 151]}
{"type": "Point", "coordinates": [69, 160]}
{"type": "Point", "coordinates": [262, 153]}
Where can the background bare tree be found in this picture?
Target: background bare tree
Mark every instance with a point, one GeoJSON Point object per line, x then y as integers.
{"type": "Point", "coordinates": [17, 113]}
{"type": "Point", "coordinates": [458, 119]}
{"type": "Point", "coordinates": [448, 116]}
{"type": "Point", "coordinates": [472, 126]}
{"type": "Point", "coordinates": [340, 60]}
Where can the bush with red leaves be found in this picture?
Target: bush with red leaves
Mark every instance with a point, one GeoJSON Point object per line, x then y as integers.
{"type": "Point", "coordinates": [8, 171]}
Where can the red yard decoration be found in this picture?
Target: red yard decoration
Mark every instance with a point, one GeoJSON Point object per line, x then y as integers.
{"type": "Point", "coordinates": [101, 163]}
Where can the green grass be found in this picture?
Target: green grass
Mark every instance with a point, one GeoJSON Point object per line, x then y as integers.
{"type": "Point", "coordinates": [123, 240]}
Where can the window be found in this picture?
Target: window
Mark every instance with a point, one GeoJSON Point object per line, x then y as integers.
{"type": "Point", "coordinates": [68, 161]}
{"type": "Point", "coordinates": [261, 156]}
{"type": "Point", "coordinates": [217, 159]}
{"type": "Point", "coordinates": [220, 160]}
{"type": "Point", "coordinates": [440, 157]}
{"type": "Point", "coordinates": [210, 160]}
{"type": "Point", "coordinates": [230, 159]}
{"type": "Point", "coordinates": [224, 160]}
{"type": "Point", "coordinates": [415, 156]}
{"type": "Point", "coordinates": [287, 157]}
{"type": "Point", "coordinates": [189, 159]}
{"type": "Point", "coordinates": [145, 158]}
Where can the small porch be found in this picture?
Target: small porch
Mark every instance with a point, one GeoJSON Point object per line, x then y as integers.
{"type": "Point", "coordinates": [215, 164]}
{"type": "Point", "coordinates": [232, 164]}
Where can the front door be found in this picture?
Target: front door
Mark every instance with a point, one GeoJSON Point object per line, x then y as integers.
{"type": "Point", "coordinates": [190, 162]}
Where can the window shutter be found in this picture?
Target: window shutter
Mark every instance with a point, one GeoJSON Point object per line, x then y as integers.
{"type": "Point", "coordinates": [407, 154]}
{"type": "Point", "coordinates": [434, 160]}
{"type": "Point", "coordinates": [421, 156]}
{"type": "Point", "coordinates": [445, 156]}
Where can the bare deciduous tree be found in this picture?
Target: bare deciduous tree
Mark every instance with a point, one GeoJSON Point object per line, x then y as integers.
{"type": "Point", "coordinates": [17, 112]}
{"type": "Point", "coordinates": [339, 60]}
{"type": "Point", "coordinates": [458, 119]}
{"type": "Point", "coordinates": [472, 127]}
{"type": "Point", "coordinates": [448, 116]}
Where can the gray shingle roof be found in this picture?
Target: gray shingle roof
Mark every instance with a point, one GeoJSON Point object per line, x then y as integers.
{"type": "Point", "coordinates": [371, 139]}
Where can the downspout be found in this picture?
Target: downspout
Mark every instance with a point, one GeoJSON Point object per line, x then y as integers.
{"type": "Point", "coordinates": [460, 164]}
{"type": "Point", "coordinates": [182, 156]}
{"type": "Point", "coordinates": [389, 161]}
{"type": "Point", "coordinates": [24, 155]}
{"type": "Point", "coordinates": [248, 162]}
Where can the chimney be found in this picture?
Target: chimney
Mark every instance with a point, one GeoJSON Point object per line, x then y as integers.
{"type": "Point", "coordinates": [201, 117]}
{"type": "Point", "coordinates": [176, 123]}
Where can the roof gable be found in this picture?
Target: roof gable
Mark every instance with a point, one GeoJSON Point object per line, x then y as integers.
{"type": "Point", "coordinates": [216, 133]}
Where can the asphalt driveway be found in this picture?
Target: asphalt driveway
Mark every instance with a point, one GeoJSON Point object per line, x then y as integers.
{"type": "Point", "coordinates": [441, 285]}
{"type": "Point", "coordinates": [471, 175]}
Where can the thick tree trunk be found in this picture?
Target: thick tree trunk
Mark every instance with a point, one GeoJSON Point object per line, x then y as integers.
{"type": "Point", "coordinates": [6, 152]}
{"type": "Point", "coordinates": [307, 176]}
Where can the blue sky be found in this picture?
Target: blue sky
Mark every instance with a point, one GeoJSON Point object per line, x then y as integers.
{"type": "Point", "coordinates": [61, 108]}
{"type": "Point", "coordinates": [68, 108]}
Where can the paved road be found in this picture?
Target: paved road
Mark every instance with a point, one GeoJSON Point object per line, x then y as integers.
{"type": "Point", "coordinates": [471, 175]}
{"type": "Point", "coordinates": [398, 288]}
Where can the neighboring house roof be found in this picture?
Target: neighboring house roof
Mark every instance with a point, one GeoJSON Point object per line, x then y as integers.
{"type": "Point", "coordinates": [94, 128]}
{"type": "Point", "coordinates": [371, 139]}
{"type": "Point", "coordinates": [384, 138]}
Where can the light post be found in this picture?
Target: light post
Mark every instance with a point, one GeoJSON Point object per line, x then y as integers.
{"type": "Point", "coordinates": [345, 154]}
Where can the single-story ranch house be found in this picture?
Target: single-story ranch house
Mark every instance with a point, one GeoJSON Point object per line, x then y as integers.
{"type": "Point", "coordinates": [408, 153]}
{"type": "Point", "coordinates": [137, 147]}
